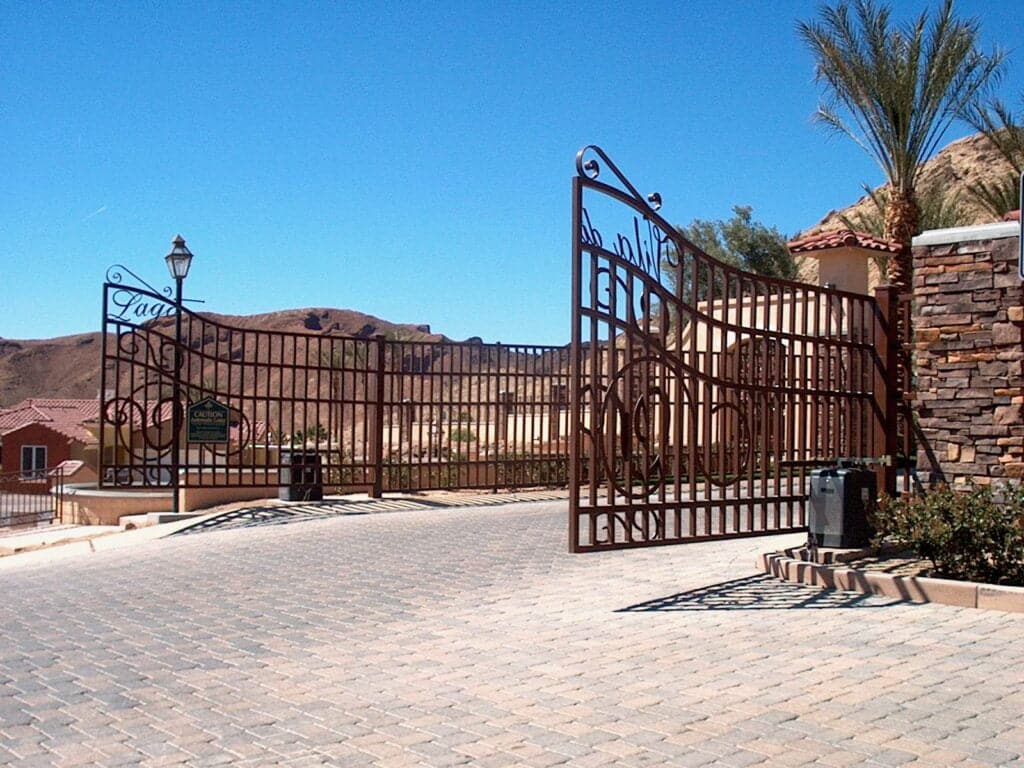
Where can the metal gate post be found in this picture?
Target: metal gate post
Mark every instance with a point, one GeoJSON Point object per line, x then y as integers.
{"type": "Point", "coordinates": [101, 469]}
{"type": "Point", "coordinates": [377, 424]}
{"type": "Point", "coordinates": [575, 372]}
{"type": "Point", "coordinates": [887, 387]}
{"type": "Point", "coordinates": [58, 508]}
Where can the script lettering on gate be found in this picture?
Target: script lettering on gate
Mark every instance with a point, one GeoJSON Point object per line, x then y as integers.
{"type": "Point", "coordinates": [127, 304]}
{"type": "Point", "coordinates": [649, 245]}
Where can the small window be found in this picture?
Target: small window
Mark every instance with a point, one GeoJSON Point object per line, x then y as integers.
{"type": "Point", "coordinates": [33, 462]}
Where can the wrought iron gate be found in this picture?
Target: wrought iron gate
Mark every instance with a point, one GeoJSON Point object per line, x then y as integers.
{"type": "Point", "coordinates": [703, 395]}
{"type": "Point", "coordinates": [380, 414]}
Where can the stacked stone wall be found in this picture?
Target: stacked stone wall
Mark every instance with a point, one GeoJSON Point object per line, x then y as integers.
{"type": "Point", "coordinates": [968, 347]}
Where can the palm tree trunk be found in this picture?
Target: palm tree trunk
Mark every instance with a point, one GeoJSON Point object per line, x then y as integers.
{"type": "Point", "coordinates": [902, 219]}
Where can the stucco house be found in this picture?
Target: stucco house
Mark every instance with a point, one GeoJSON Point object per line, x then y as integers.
{"type": "Point", "coordinates": [39, 434]}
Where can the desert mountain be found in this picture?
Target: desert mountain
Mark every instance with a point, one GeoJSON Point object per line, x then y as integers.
{"type": "Point", "coordinates": [69, 366]}
{"type": "Point", "coordinates": [964, 162]}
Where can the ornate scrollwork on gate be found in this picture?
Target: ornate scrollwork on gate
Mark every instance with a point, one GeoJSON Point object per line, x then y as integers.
{"type": "Point", "coordinates": [133, 300]}
{"type": "Point", "coordinates": [644, 244]}
{"type": "Point", "coordinates": [630, 431]}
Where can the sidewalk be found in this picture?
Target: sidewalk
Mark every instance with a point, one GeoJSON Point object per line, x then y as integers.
{"type": "Point", "coordinates": [60, 542]}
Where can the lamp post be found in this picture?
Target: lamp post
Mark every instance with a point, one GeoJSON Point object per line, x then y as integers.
{"type": "Point", "coordinates": [178, 262]}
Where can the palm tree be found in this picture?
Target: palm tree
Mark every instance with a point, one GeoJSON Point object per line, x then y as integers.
{"type": "Point", "coordinates": [895, 90]}
{"type": "Point", "coordinates": [938, 209]}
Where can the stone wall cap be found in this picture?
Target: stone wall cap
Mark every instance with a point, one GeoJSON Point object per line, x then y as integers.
{"type": "Point", "coordinates": [997, 231]}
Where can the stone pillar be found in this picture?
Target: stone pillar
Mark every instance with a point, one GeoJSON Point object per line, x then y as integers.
{"type": "Point", "coordinates": [968, 347]}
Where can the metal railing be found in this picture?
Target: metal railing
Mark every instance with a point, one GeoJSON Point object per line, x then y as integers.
{"type": "Point", "coordinates": [31, 498]}
{"type": "Point", "coordinates": [381, 413]}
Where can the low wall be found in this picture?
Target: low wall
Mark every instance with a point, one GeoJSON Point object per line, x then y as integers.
{"type": "Point", "coordinates": [88, 505]}
{"type": "Point", "coordinates": [201, 498]}
{"type": "Point", "coordinates": [85, 504]}
{"type": "Point", "coordinates": [968, 349]}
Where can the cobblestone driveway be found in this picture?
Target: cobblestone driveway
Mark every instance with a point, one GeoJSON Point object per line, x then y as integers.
{"type": "Point", "coordinates": [469, 637]}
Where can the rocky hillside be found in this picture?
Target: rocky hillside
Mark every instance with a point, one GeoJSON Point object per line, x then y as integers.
{"type": "Point", "coordinates": [69, 366]}
{"type": "Point", "coordinates": [954, 169]}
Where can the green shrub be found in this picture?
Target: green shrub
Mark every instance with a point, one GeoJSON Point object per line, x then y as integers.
{"type": "Point", "coordinates": [523, 469]}
{"type": "Point", "coordinates": [461, 435]}
{"type": "Point", "coordinates": [967, 535]}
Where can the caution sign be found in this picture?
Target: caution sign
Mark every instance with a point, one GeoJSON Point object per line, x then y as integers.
{"type": "Point", "coordinates": [208, 422]}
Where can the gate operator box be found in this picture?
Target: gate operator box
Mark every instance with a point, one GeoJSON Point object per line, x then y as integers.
{"type": "Point", "coordinates": [301, 476]}
{"type": "Point", "coordinates": [841, 499]}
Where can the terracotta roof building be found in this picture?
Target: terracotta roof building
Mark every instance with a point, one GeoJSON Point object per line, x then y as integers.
{"type": "Point", "coordinates": [63, 416]}
{"type": "Point", "coordinates": [843, 258]}
{"type": "Point", "coordinates": [40, 433]}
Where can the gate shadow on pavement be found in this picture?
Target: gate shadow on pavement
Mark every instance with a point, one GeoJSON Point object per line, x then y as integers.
{"type": "Point", "coordinates": [247, 517]}
{"type": "Point", "coordinates": [760, 592]}
{"type": "Point", "coordinates": [258, 516]}
{"type": "Point", "coordinates": [254, 516]}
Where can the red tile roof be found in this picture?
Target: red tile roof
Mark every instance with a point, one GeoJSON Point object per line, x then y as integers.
{"type": "Point", "coordinates": [257, 435]}
{"type": "Point", "coordinates": [63, 416]}
{"type": "Point", "coordinates": [841, 238]}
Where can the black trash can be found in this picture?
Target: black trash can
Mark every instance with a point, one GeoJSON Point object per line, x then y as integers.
{"type": "Point", "coordinates": [301, 476]}
{"type": "Point", "coordinates": [842, 499]}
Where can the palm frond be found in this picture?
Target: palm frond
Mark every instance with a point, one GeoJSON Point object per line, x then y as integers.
{"type": "Point", "coordinates": [998, 197]}
{"type": "Point", "coordinates": [939, 210]}
{"type": "Point", "coordinates": [895, 88]}
{"type": "Point", "coordinates": [1000, 126]}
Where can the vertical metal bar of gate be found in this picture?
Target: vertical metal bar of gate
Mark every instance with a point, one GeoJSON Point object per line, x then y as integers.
{"type": "Point", "coordinates": [577, 373]}
{"type": "Point", "coordinates": [102, 418]}
{"type": "Point", "coordinates": [376, 436]}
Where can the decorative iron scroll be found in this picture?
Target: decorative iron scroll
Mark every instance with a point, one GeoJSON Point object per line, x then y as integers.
{"type": "Point", "coordinates": [703, 394]}
{"type": "Point", "coordinates": [647, 245]}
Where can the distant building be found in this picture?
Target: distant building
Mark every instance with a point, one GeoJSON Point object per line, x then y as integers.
{"type": "Point", "coordinates": [40, 433]}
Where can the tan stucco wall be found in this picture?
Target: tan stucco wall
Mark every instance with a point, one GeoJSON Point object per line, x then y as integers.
{"type": "Point", "coordinates": [202, 498]}
{"type": "Point", "coordinates": [851, 269]}
{"type": "Point", "coordinates": [96, 509]}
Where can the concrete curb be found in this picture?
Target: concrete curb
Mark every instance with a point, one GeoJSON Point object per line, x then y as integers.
{"type": "Point", "coordinates": [85, 543]}
{"type": "Point", "coordinates": [916, 589]}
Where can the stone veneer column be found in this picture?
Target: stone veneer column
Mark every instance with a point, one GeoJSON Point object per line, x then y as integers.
{"type": "Point", "coordinates": [967, 354]}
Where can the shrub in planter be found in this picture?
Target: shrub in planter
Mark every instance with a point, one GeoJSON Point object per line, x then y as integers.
{"type": "Point", "coordinates": [968, 535]}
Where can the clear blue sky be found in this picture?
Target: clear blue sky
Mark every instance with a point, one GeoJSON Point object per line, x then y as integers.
{"type": "Point", "coordinates": [411, 161]}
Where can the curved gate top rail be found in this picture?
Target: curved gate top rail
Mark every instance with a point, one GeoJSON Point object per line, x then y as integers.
{"type": "Point", "coordinates": [701, 394]}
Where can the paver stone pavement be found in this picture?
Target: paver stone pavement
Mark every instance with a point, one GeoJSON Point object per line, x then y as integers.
{"type": "Point", "coordinates": [470, 637]}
